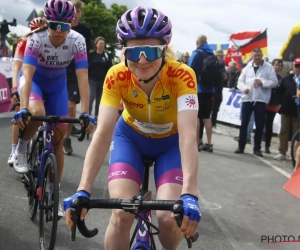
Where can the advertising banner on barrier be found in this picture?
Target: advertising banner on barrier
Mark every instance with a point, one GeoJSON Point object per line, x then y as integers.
{"type": "Point", "coordinates": [229, 111]}
{"type": "Point", "coordinates": [5, 73]}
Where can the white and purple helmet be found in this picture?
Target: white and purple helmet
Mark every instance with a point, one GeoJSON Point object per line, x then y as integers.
{"type": "Point", "coordinates": [60, 10]}
{"type": "Point", "coordinates": [144, 22]}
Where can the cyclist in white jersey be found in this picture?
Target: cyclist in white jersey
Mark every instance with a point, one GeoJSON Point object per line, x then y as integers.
{"type": "Point", "coordinates": [42, 80]}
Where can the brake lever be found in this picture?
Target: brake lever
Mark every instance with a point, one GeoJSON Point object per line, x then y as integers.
{"type": "Point", "coordinates": [83, 128]}
{"type": "Point", "coordinates": [21, 132]}
{"type": "Point", "coordinates": [178, 215]}
{"type": "Point", "coordinates": [178, 218]}
{"type": "Point", "coordinates": [74, 217]}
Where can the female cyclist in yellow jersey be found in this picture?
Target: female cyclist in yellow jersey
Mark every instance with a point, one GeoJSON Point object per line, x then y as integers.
{"type": "Point", "coordinates": [159, 121]}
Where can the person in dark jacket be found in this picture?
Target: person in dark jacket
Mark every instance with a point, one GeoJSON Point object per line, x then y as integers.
{"type": "Point", "coordinates": [233, 76]}
{"type": "Point", "coordinates": [99, 63]}
{"type": "Point", "coordinates": [218, 95]}
{"type": "Point", "coordinates": [272, 107]}
{"type": "Point", "coordinates": [72, 84]}
{"type": "Point", "coordinates": [205, 92]}
{"type": "Point", "coordinates": [288, 110]}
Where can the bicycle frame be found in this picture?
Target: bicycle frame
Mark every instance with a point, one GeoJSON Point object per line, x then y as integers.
{"type": "Point", "coordinates": [143, 233]}
{"type": "Point", "coordinates": [48, 147]}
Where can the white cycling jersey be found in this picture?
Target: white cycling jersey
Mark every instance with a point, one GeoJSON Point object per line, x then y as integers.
{"type": "Point", "coordinates": [52, 62]}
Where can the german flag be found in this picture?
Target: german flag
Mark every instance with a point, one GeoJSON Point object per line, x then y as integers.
{"type": "Point", "coordinates": [259, 41]}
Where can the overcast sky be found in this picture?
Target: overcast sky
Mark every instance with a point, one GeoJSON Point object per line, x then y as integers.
{"type": "Point", "coordinates": [217, 19]}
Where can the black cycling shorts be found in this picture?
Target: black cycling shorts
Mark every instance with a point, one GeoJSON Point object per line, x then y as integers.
{"type": "Point", "coordinates": [73, 91]}
{"type": "Point", "coordinates": [205, 105]}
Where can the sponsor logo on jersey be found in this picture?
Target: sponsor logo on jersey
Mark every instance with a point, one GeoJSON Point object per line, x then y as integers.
{"type": "Point", "coordinates": [182, 74]}
{"type": "Point", "coordinates": [110, 82]}
{"type": "Point", "coordinates": [191, 102]}
{"type": "Point", "coordinates": [134, 104]}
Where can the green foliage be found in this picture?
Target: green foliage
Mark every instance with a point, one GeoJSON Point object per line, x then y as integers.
{"type": "Point", "coordinates": [41, 13]}
{"type": "Point", "coordinates": [102, 21]}
{"type": "Point", "coordinates": [12, 37]}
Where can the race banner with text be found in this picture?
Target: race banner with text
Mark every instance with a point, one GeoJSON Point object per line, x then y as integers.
{"type": "Point", "coordinates": [229, 111]}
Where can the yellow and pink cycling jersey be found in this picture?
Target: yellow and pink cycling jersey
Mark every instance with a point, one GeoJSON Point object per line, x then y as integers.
{"type": "Point", "coordinates": [154, 116]}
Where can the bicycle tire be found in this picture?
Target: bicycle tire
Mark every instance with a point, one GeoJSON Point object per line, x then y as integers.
{"type": "Point", "coordinates": [32, 177]}
{"type": "Point", "coordinates": [294, 139]}
{"type": "Point", "coordinates": [52, 213]}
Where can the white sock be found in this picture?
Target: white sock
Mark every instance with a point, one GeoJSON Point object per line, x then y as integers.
{"type": "Point", "coordinates": [13, 148]}
{"type": "Point", "coordinates": [22, 146]}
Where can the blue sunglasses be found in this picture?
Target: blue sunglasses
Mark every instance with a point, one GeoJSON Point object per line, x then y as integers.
{"type": "Point", "coordinates": [151, 53]}
{"type": "Point", "coordinates": [59, 25]}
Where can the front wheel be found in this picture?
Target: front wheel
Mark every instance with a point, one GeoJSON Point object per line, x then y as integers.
{"type": "Point", "coordinates": [49, 206]}
{"type": "Point", "coordinates": [31, 177]}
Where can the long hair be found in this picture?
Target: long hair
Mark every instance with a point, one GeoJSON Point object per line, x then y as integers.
{"type": "Point", "coordinates": [96, 41]}
{"type": "Point", "coordinates": [170, 53]}
{"type": "Point", "coordinates": [43, 27]}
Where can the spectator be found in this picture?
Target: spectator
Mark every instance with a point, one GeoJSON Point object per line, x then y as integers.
{"type": "Point", "coordinates": [255, 83]}
{"type": "Point", "coordinates": [287, 90]}
{"type": "Point", "coordinates": [233, 76]}
{"type": "Point", "coordinates": [185, 58]}
{"type": "Point", "coordinates": [205, 91]}
{"type": "Point", "coordinates": [218, 95]}
{"type": "Point", "coordinates": [99, 64]}
{"type": "Point", "coordinates": [272, 107]}
{"type": "Point", "coordinates": [72, 85]}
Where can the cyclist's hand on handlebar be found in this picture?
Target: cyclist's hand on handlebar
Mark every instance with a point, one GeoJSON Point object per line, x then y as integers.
{"type": "Point", "coordinates": [68, 205]}
{"type": "Point", "coordinates": [14, 97]}
{"type": "Point", "coordinates": [91, 122]}
{"type": "Point", "coordinates": [18, 117]}
{"type": "Point", "coordinates": [191, 215]}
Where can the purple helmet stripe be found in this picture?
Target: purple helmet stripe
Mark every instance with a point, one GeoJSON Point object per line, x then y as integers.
{"type": "Point", "coordinates": [61, 10]}
{"type": "Point", "coordinates": [144, 22]}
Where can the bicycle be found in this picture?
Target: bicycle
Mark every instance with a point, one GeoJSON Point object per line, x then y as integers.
{"type": "Point", "coordinates": [294, 140]}
{"type": "Point", "coordinates": [295, 137]}
{"type": "Point", "coordinates": [43, 166]}
{"type": "Point", "coordinates": [140, 205]}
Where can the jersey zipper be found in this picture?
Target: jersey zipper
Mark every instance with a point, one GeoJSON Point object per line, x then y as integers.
{"type": "Point", "coordinates": [149, 104]}
{"type": "Point", "coordinates": [149, 111]}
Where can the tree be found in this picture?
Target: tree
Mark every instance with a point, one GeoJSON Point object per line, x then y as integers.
{"type": "Point", "coordinates": [118, 10]}
{"type": "Point", "coordinates": [12, 37]}
{"type": "Point", "coordinates": [102, 21]}
{"type": "Point", "coordinates": [41, 13]}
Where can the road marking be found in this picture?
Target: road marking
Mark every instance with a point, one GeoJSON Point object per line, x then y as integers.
{"type": "Point", "coordinates": [233, 242]}
{"type": "Point", "coordinates": [18, 197]}
{"type": "Point", "coordinates": [208, 205]}
{"type": "Point", "coordinates": [278, 169]}
{"type": "Point", "coordinates": [270, 164]}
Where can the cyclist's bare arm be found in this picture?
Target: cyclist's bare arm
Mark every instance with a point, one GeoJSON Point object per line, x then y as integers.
{"type": "Point", "coordinates": [17, 66]}
{"type": "Point", "coordinates": [25, 84]}
{"type": "Point", "coordinates": [99, 146]}
{"type": "Point", "coordinates": [82, 77]}
{"type": "Point", "coordinates": [187, 130]}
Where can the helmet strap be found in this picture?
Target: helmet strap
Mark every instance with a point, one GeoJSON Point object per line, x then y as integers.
{"type": "Point", "coordinates": [152, 77]}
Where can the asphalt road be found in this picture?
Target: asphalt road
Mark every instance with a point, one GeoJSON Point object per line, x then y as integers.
{"type": "Point", "coordinates": [241, 200]}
